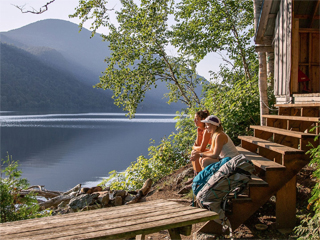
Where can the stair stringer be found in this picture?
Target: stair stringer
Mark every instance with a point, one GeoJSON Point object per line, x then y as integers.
{"type": "Point", "coordinates": [259, 195]}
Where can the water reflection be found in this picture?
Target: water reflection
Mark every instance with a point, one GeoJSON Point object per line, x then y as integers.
{"type": "Point", "coordinates": [62, 150]}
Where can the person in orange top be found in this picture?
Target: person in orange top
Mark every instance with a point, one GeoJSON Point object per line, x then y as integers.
{"type": "Point", "coordinates": [201, 142]}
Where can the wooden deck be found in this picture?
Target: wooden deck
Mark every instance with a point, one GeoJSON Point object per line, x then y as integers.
{"type": "Point", "coordinates": [111, 223]}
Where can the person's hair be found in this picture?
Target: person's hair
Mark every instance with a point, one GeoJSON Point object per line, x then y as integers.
{"type": "Point", "coordinates": [203, 114]}
{"type": "Point", "coordinates": [219, 129]}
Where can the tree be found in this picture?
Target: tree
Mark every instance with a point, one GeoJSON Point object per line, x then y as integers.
{"type": "Point", "coordinates": [225, 27]}
{"type": "Point", "coordinates": [139, 58]}
{"type": "Point", "coordinates": [215, 26]}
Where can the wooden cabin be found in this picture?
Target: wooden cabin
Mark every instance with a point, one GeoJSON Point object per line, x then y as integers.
{"type": "Point", "coordinates": [288, 45]}
{"type": "Point", "coordinates": [287, 31]}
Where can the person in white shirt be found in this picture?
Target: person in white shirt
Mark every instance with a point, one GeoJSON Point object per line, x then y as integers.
{"type": "Point", "coordinates": [221, 144]}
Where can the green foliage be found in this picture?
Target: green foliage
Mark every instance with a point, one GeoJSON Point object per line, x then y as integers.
{"type": "Point", "coordinates": [172, 153]}
{"type": "Point", "coordinates": [139, 59]}
{"type": "Point", "coordinates": [237, 106]}
{"type": "Point", "coordinates": [13, 207]}
{"type": "Point", "coordinates": [215, 25]}
{"type": "Point", "coordinates": [310, 225]}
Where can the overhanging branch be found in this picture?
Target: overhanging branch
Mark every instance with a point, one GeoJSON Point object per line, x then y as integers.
{"type": "Point", "coordinates": [34, 11]}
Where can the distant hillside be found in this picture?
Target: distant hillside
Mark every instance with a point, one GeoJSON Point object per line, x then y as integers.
{"type": "Point", "coordinates": [64, 37]}
{"type": "Point", "coordinates": [59, 45]}
{"type": "Point", "coordinates": [26, 82]}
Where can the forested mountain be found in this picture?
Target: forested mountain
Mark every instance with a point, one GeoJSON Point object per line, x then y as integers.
{"type": "Point", "coordinates": [74, 56]}
{"type": "Point", "coordinates": [64, 37]}
{"type": "Point", "coordinates": [26, 82]}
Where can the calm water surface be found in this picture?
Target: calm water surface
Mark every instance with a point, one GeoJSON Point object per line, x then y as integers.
{"type": "Point", "coordinates": [63, 150]}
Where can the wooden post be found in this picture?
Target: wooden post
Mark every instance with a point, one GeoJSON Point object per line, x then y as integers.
{"type": "Point", "coordinates": [141, 237]}
{"type": "Point", "coordinates": [174, 233]}
{"type": "Point", "coordinates": [270, 69]}
{"type": "Point", "coordinates": [263, 87]}
{"type": "Point", "coordinates": [295, 56]}
{"type": "Point", "coordinates": [286, 205]}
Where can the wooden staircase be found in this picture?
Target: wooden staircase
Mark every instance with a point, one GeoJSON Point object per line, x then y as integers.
{"type": "Point", "coordinates": [278, 151]}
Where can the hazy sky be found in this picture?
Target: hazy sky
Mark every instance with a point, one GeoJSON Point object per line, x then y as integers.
{"type": "Point", "coordinates": [12, 18]}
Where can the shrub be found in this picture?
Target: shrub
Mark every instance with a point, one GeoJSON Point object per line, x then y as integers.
{"type": "Point", "coordinates": [12, 206]}
{"type": "Point", "coordinates": [310, 225]}
{"type": "Point", "coordinates": [172, 153]}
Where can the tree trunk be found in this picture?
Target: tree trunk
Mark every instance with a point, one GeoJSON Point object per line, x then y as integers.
{"type": "Point", "coordinates": [263, 86]}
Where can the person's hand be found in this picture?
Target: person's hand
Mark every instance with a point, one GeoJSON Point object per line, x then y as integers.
{"type": "Point", "coordinates": [194, 155]}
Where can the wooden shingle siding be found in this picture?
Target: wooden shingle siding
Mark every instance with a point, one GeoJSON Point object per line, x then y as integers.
{"type": "Point", "coordinates": [282, 44]}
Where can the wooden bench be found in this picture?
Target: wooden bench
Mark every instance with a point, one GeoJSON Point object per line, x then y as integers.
{"type": "Point", "coordinates": [121, 222]}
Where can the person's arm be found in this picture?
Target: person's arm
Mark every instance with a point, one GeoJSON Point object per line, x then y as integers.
{"type": "Point", "coordinates": [205, 140]}
{"type": "Point", "coordinates": [199, 137]}
{"type": "Point", "coordinates": [219, 141]}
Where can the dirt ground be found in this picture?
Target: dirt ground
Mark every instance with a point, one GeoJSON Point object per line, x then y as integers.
{"type": "Point", "coordinates": [169, 186]}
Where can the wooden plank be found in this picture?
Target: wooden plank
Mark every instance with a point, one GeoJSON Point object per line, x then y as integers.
{"type": "Point", "coordinates": [315, 42]}
{"type": "Point", "coordinates": [263, 21]}
{"type": "Point", "coordinates": [105, 224]}
{"type": "Point", "coordinates": [144, 228]}
{"type": "Point", "coordinates": [310, 83]}
{"type": "Point", "coordinates": [262, 134]}
{"type": "Point", "coordinates": [125, 209]}
{"type": "Point", "coordinates": [186, 230]}
{"type": "Point", "coordinates": [264, 49]}
{"type": "Point", "coordinates": [276, 57]}
{"type": "Point", "coordinates": [174, 234]}
{"type": "Point", "coordinates": [309, 30]}
{"type": "Point", "coordinates": [271, 145]}
{"type": "Point", "coordinates": [295, 56]}
{"type": "Point", "coordinates": [297, 118]}
{"type": "Point", "coordinates": [110, 225]}
{"type": "Point", "coordinates": [315, 14]}
{"type": "Point", "coordinates": [258, 182]}
{"type": "Point", "coordinates": [50, 222]}
{"type": "Point", "coordinates": [283, 132]}
{"type": "Point", "coordinates": [281, 42]}
{"type": "Point", "coordinates": [315, 58]}
{"type": "Point", "coordinates": [113, 223]}
{"type": "Point", "coordinates": [286, 205]}
{"type": "Point", "coordinates": [315, 70]}
{"type": "Point", "coordinates": [260, 161]}
{"type": "Point", "coordinates": [298, 105]}
{"type": "Point", "coordinates": [141, 237]}
{"type": "Point", "coordinates": [271, 155]}
{"type": "Point", "coordinates": [304, 50]}
{"type": "Point", "coordinates": [288, 46]}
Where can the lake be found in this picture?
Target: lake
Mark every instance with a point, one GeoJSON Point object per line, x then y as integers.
{"type": "Point", "coordinates": [60, 151]}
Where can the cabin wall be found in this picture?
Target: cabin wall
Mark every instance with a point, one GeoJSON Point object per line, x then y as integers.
{"type": "Point", "coordinates": [309, 58]}
{"type": "Point", "coordinates": [282, 51]}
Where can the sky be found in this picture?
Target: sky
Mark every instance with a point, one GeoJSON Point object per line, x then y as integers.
{"type": "Point", "coordinates": [12, 18]}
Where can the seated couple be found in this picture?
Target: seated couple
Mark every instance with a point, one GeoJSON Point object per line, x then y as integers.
{"type": "Point", "coordinates": [209, 132]}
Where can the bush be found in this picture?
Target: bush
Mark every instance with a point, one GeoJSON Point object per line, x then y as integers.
{"type": "Point", "coordinates": [172, 153]}
{"type": "Point", "coordinates": [12, 206]}
{"type": "Point", "coordinates": [310, 225]}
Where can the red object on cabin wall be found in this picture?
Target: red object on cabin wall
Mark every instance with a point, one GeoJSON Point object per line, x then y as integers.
{"type": "Point", "coordinates": [302, 77]}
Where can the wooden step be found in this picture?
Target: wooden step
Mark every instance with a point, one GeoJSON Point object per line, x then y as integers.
{"type": "Point", "coordinates": [299, 105]}
{"type": "Point", "coordinates": [302, 109]}
{"type": "Point", "coordinates": [257, 182]}
{"type": "Point", "coordinates": [261, 162]}
{"type": "Point", "coordinates": [276, 147]}
{"type": "Point", "coordinates": [294, 118]}
{"type": "Point", "coordinates": [284, 132]}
